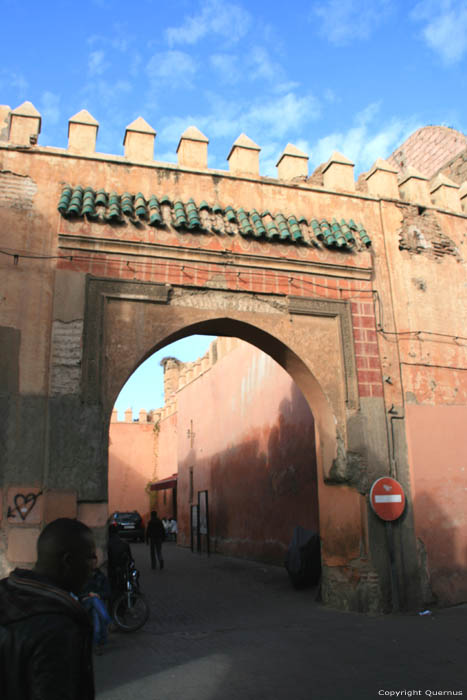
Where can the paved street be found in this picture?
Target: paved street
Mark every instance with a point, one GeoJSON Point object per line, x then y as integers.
{"type": "Point", "coordinates": [225, 629]}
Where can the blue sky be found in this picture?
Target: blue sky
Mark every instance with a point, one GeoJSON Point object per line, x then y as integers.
{"type": "Point", "coordinates": [352, 75]}
{"type": "Point", "coordinates": [145, 387]}
{"type": "Point", "coordinates": [356, 76]}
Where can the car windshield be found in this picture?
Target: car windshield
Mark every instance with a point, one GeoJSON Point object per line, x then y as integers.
{"type": "Point", "coordinates": [126, 516]}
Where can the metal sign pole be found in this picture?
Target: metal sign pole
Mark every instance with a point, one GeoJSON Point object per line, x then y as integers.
{"type": "Point", "coordinates": [393, 567]}
{"type": "Point", "coordinates": [387, 500]}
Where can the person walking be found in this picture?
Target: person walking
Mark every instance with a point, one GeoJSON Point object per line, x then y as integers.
{"type": "Point", "coordinates": [173, 529]}
{"type": "Point", "coordinates": [45, 633]}
{"type": "Point", "coordinates": [155, 535]}
{"type": "Point", "coordinates": [95, 598]}
{"type": "Point", "coordinates": [119, 557]}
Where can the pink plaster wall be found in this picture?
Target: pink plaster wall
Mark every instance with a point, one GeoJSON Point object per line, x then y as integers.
{"type": "Point", "coordinates": [166, 465]}
{"type": "Point", "coordinates": [438, 455]}
{"type": "Point", "coordinates": [131, 466]}
{"type": "Point", "coordinates": [253, 450]}
{"type": "Point", "coordinates": [167, 447]}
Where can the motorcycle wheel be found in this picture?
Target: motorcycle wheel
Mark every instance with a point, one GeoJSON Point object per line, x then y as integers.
{"type": "Point", "coordinates": [130, 611]}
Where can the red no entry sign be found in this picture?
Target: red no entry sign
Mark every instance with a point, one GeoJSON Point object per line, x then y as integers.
{"type": "Point", "coordinates": [387, 498]}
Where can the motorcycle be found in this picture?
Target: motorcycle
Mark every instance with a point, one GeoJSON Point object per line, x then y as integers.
{"type": "Point", "coordinates": [129, 607]}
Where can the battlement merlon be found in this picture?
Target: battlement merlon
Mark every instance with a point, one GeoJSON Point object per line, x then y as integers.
{"type": "Point", "coordinates": [20, 128]}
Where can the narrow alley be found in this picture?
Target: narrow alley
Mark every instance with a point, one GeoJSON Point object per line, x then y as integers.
{"type": "Point", "coordinates": [230, 629]}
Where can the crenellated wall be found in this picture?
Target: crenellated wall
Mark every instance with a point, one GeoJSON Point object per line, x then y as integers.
{"type": "Point", "coordinates": [23, 126]}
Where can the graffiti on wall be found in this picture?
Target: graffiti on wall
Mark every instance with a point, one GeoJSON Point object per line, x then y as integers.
{"type": "Point", "coordinates": [22, 505]}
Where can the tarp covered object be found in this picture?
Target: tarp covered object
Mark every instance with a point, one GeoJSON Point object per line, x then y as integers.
{"type": "Point", "coordinates": [303, 561]}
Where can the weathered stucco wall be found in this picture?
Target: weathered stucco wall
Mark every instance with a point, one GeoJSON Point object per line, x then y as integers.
{"type": "Point", "coordinates": [253, 449]}
{"type": "Point", "coordinates": [439, 458]}
{"type": "Point", "coordinates": [365, 333]}
{"type": "Point", "coordinates": [131, 466]}
{"type": "Point", "coordinates": [426, 263]}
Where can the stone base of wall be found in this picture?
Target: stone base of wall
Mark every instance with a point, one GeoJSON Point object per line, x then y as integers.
{"type": "Point", "coordinates": [355, 589]}
{"type": "Point", "coordinates": [271, 552]}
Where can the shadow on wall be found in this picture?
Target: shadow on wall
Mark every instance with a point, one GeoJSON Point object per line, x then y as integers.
{"type": "Point", "coordinates": [442, 549]}
{"type": "Point", "coordinates": [260, 489]}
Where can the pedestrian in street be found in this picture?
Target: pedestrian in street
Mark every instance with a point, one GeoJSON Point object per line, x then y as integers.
{"type": "Point", "coordinates": [45, 633]}
{"type": "Point", "coordinates": [95, 598]}
{"type": "Point", "coordinates": [119, 557]}
{"type": "Point", "coordinates": [173, 529]}
{"type": "Point", "coordinates": [155, 535]}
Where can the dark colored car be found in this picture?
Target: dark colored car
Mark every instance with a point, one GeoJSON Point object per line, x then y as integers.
{"type": "Point", "coordinates": [129, 524]}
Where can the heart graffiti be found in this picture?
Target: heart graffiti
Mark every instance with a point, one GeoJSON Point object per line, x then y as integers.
{"type": "Point", "coordinates": [23, 505]}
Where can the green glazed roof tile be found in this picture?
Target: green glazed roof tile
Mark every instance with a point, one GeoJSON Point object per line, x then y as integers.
{"type": "Point", "coordinates": [155, 216]}
{"type": "Point", "coordinates": [246, 229]}
{"type": "Point", "coordinates": [101, 198]}
{"type": "Point", "coordinates": [282, 226]}
{"type": "Point", "coordinates": [192, 213]}
{"type": "Point", "coordinates": [272, 230]}
{"type": "Point", "coordinates": [259, 230]}
{"type": "Point", "coordinates": [295, 229]}
{"type": "Point", "coordinates": [77, 202]}
{"type": "Point", "coordinates": [364, 237]}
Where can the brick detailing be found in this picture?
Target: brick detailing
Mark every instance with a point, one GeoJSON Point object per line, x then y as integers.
{"type": "Point", "coordinates": [366, 349]}
{"type": "Point", "coordinates": [421, 234]}
{"type": "Point", "coordinates": [428, 149]}
{"type": "Point", "coordinates": [206, 275]}
{"type": "Point", "coordinates": [16, 191]}
{"type": "Point", "coordinates": [65, 373]}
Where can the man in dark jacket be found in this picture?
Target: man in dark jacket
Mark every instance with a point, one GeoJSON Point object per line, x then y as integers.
{"type": "Point", "coordinates": [45, 633]}
{"type": "Point", "coordinates": [155, 534]}
{"type": "Point", "coordinates": [119, 557]}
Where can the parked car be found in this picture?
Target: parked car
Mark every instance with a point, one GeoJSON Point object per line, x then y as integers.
{"type": "Point", "coordinates": [129, 524]}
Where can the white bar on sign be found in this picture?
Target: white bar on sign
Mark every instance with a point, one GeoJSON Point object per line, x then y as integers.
{"type": "Point", "coordinates": [397, 498]}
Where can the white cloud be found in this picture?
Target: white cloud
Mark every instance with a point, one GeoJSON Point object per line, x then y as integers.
{"type": "Point", "coordinates": [262, 65]}
{"type": "Point", "coordinates": [283, 114]}
{"type": "Point", "coordinates": [330, 96]}
{"type": "Point", "coordinates": [109, 96]}
{"type": "Point", "coordinates": [175, 67]}
{"type": "Point", "coordinates": [227, 67]}
{"type": "Point", "coordinates": [118, 39]}
{"type": "Point", "coordinates": [216, 17]}
{"type": "Point", "coordinates": [444, 27]}
{"type": "Point", "coordinates": [96, 63]}
{"type": "Point", "coordinates": [343, 21]}
{"type": "Point", "coordinates": [50, 107]}
{"type": "Point", "coordinates": [366, 140]}
{"type": "Point", "coordinates": [255, 65]}
{"type": "Point", "coordinates": [270, 122]}
{"type": "Point", "coordinates": [9, 79]}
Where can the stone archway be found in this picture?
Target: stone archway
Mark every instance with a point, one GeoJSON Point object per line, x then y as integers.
{"type": "Point", "coordinates": [125, 322]}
